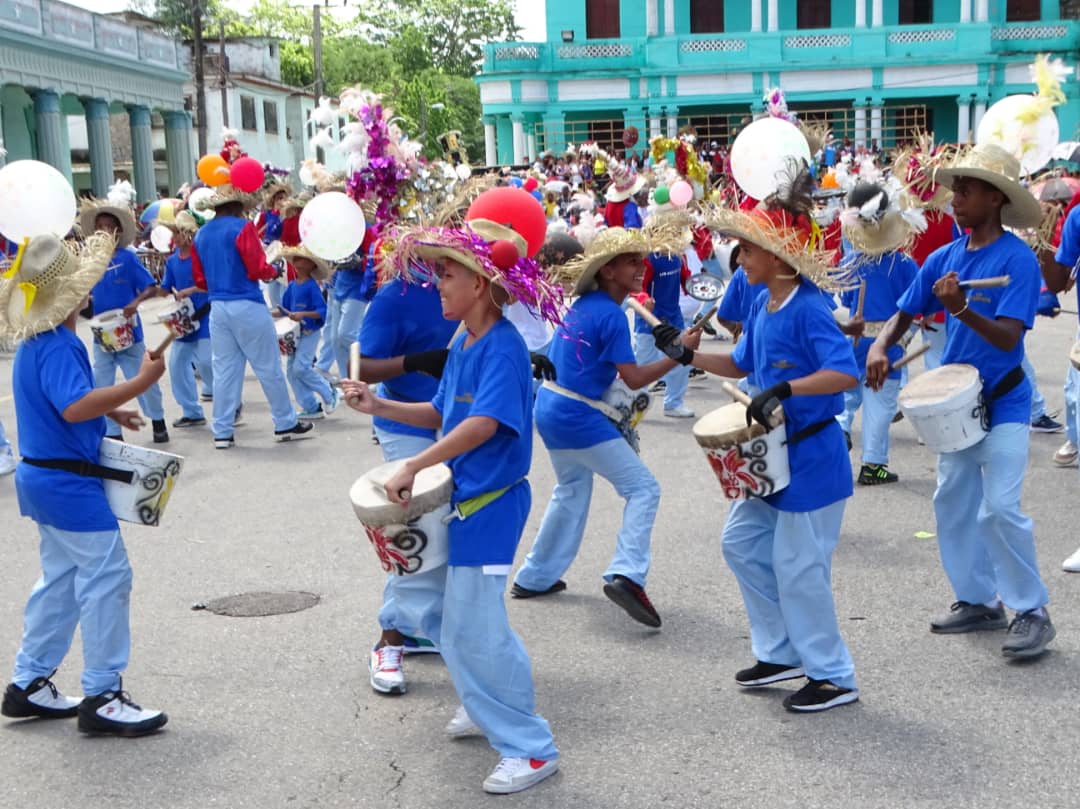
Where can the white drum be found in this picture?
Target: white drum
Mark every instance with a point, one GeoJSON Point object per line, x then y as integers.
{"type": "Point", "coordinates": [112, 331]}
{"type": "Point", "coordinates": [945, 407]}
{"type": "Point", "coordinates": [288, 335]}
{"type": "Point", "coordinates": [412, 539]}
{"type": "Point", "coordinates": [747, 461]}
{"type": "Point", "coordinates": [177, 318]}
{"type": "Point", "coordinates": [143, 500]}
{"type": "Point", "coordinates": [1074, 355]}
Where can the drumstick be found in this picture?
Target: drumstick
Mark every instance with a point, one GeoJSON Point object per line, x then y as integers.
{"type": "Point", "coordinates": [736, 394]}
{"type": "Point", "coordinates": [354, 370]}
{"type": "Point", "coordinates": [986, 283]}
{"type": "Point", "coordinates": [642, 312]}
{"type": "Point", "coordinates": [702, 319]}
{"type": "Point", "coordinates": [859, 306]}
{"type": "Point", "coordinates": [904, 360]}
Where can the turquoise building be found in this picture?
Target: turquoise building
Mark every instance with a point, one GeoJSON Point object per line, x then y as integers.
{"type": "Point", "coordinates": [874, 69]}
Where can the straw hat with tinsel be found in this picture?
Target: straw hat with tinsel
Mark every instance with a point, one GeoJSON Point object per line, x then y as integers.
{"type": "Point", "coordinates": [580, 272]}
{"type": "Point", "coordinates": [273, 190]}
{"type": "Point", "coordinates": [47, 281]}
{"type": "Point", "coordinates": [874, 223]}
{"type": "Point", "coordinates": [996, 167]}
{"type": "Point", "coordinates": [183, 222]}
{"type": "Point", "coordinates": [915, 166]}
{"type": "Point", "coordinates": [223, 195]}
{"type": "Point", "coordinates": [116, 204]}
{"type": "Point", "coordinates": [322, 267]}
{"type": "Point", "coordinates": [625, 182]}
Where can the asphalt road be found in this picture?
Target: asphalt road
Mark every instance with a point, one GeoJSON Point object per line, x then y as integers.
{"type": "Point", "coordinates": [277, 711]}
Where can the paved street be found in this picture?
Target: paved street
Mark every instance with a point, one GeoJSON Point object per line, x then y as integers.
{"type": "Point", "coordinates": [277, 711]}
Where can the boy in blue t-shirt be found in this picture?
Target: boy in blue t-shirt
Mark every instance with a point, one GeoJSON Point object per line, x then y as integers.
{"type": "Point", "coordinates": [86, 576]}
{"type": "Point", "coordinates": [780, 546]}
{"type": "Point", "coordinates": [483, 407]}
{"type": "Point", "coordinates": [193, 351]}
{"type": "Point", "coordinates": [303, 303]}
{"type": "Point", "coordinates": [987, 544]}
{"type": "Point", "coordinates": [665, 278]}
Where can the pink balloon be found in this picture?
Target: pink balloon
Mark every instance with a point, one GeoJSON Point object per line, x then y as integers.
{"type": "Point", "coordinates": [247, 175]}
{"type": "Point", "coordinates": [681, 193]}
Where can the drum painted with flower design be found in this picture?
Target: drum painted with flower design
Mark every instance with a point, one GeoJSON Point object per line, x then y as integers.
{"type": "Point", "coordinates": [747, 461]}
{"type": "Point", "coordinates": [177, 318]}
{"type": "Point", "coordinates": [142, 500]}
{"type": "Point", "coordinates": [288, 335]}
{"type": "Point", "coordinates": [410, 539]}
{"type": "Point", "coordinates": [112, 331]}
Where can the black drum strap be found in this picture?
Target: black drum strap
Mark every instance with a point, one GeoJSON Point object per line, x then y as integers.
{"type": "Point", "coordinates": [83, 469]}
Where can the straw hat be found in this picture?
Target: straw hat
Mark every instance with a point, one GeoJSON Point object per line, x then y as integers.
{"type": "Point", "coordinates": [296, 203]}
{"type": "Point", "coordinates": [223, 195]}
{"type": "Point", "coordinates": [322, 266]}
{"type": "Point", "coordinates": [580, 272]}
{"type": "Point", "coordinates": [92, 208]}
{"type": "Point", "coordinates": [996, 167]}
{"type": "Point", "coordinates": [47, 281]}
{"type": "Point", "coordinates": [874, 223]}
{"type": "Point", "coordinates": [182, 221]}
{"type": "Point", "coordinates": [273, 190]}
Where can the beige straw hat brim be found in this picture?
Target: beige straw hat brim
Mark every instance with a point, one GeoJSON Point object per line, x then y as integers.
{"type": "Point", "coordinates": [128, 227]}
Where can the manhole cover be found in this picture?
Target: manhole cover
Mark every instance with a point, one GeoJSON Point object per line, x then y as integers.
{"type": "Point", "coordinates": [257, 605]}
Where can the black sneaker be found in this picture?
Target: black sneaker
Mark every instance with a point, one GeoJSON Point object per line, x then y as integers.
{"type": "Point", "coordinates": [297, 432]}
{"type": "Point", "coordinates": [1029, 634]}
{"type": "Point", "coordinates": [161, 432]}
{"type": "Point", "coordinates": [819, 695]}
{"type": "Point", "coordinates": [965, 617]}
{"type": "Point", "coordinates": [766, 674]}
{"type": "Point", "coordinates": [847, 440]}
{"type": "Point", "coordinates": [206, 397]}
{"type": "Point", "coordinates": [224, 443]}
{"type": "Point", "coordinates": [41, 699]}
{"type": "Point", "coordinates": [898, 417]}
{"type": "Point", "coordinates": [1045, 424]}
{"type": "Point", "coordinates": [874, 474]}
{"type": "Point", "coordinates": [658, 387]}
{"type": "Point", "coordinates": [632, 598]}
{"type": "Point", "coordinates": [517, 591]}
{"type": "Point", "coordinates": [114, 714]}
{"type": "Point", "coordinates": [696, 372]}
{"type": "Point", "coordinates": [188, 422]}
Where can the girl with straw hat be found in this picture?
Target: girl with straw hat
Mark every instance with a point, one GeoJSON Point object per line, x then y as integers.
{"type": "Point", "coordinates": [780, 547]}
{"type": "Point", "coordinates": [484, 408]}
{"type": "Point", "coordinates": [86, 576]}
{"type": "Point", "coordinates": [589, 349]}
{"type": "Point", "coordinates": [987, 544]}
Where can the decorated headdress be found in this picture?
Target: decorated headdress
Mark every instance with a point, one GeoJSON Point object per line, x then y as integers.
{"type": "Point", "coordinates": [874, 222]}
{"type": "Point", "coordinates": [996, 167]}
{"type": "Point", "coordinates": [224, 194]}
{"type": "Point", "coordinates": [47, 281]}
{"type": "Point", "coordinates": [579, 274]}
{"type": "Point", "coordinates": [817, 133]}
{"type": "Point", "coordinates": [118, 202]}
{"type": "Point", "coordinates": [231, 150]}
{"type": "Point", "coordinates": [687, 164]}
{"type": "Point", "coordinates": [916, 165]}
{"type": "Point", "coordinates": [625, 182]}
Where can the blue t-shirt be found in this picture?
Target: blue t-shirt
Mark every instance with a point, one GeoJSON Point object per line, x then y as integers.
{"type": "Point", "coordinates": [1007, 255]}
{"type": "Point", "coordinates": [1068, 252]}
{"type": "Point", "coordinates": [405, 318]}
{"type": "Point", "coordinates": [665, 289]}
{"type": "Point", "coordinates": [738, 297]}
{"type": "Point", "coordinates": [796, 341]}
{"type": "Point", "coordinates": [493, 378]}
{"type": "Point", "coordinates": [887, 279]}
{"type": "Point", "coordinates": [594, 338]}
{"type": "Point", "coordinates": [356, 279]}
{"type": "Point", "coordinates": [121, 284]}
{"type": "Point", "coordinates": [178, 276]}
{"type": "Point", "coordinates": [305, 296]}
{"type": "Point", "coordinates": [51, 372]}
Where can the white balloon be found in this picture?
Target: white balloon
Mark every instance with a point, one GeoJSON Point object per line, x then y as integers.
{"type": "Point", "coordinates": [1030, 143]}
{"type": "Point", "coordinates": [463, 171]}
{"type": "Point", "coordinates": [760, 155]}
{"type": "Point", "coordinates": [196, 199]}
{"type": "Point", "coordinates": [35, 199]}
{"type": "Point", "coordinates": [332, 226]}
{"type": "Point", "coordinates": [161, 238]}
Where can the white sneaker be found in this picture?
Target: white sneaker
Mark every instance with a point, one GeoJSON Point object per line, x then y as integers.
{"type": "Point", "coordinates": [39, 698]}
{"type": "Point", "coordinates": [517, 774]}
{"type": "Point", "coordinates": [1066, 455]}
{"type": "Point", "coordinates": [679, 413]}
{"type": "Point", "coordinates": [461, 724]}
{"type": "Point", "coordinates": [7, 461]}
{"type": "Point", "coordinates": [1072, 564]}
{"type": "Point", "coordinates": [114, 713]}
{"type": "Point", "coordinates": [387, 673]}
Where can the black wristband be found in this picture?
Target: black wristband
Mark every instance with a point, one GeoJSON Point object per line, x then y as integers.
{"type": "Point", "coordinates": [687, 356]}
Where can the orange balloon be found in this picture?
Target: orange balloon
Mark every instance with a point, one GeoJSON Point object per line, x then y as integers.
{"type": "Point", "coordinates": [213, 170]}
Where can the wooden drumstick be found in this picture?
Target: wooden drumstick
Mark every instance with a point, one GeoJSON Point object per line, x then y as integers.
{"type": "Point", "coordinates": [642, 312]}
{"type": "Point", "coordinates": [742, 398]}
{"type": "Point", "coordinates": [986, 283]}
{"type": "Point", "coordinates": [904, 360]}
{"type": "Point", "coordinates": [702, 319]}
{"type": "Point", "coordinates": [354, 370]}
{"type": "Point", "coordinates": [859, 305]}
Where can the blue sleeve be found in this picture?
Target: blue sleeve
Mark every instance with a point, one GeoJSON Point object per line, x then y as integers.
{"type": "Point", "coordinates": [731, 305]}
{"type": "Point", "coordinates": [743, 355]}
{"type": "Point", "coordinates": [1020, 298]}
{"type": "Point", "coordinates": [138, 275]}
{"type": "Point", "coordinates": [438, 401]}
{"type": "Point", "coordinates": [316, 303]}
{"type": "Point", "coordinates": [500, 391]}
{"type": "Point", "coordinates": [379, 329]}
{"type": "Point", "coordinates": [168, 280]}
{"type": "Point", "coordinates": [823, 340]}
{"type": "Point", "coordinates": [631, 216]}
{"type": "Point", "coordinates": [1069, 250]}
{"type": "Point", "coordinates": [63, 380]}
{"type": "Point", "coordinates": [919, 299]}
{"type": "Point", "coordinates": [615, 339]}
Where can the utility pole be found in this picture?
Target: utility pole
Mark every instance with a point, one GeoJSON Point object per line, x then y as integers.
{"type": "Point", "coordinates": [223, 70]}
{"type": "Point", "coordinates": [200, 83]}
{"type": "Point", "coordinates": [316, 47]}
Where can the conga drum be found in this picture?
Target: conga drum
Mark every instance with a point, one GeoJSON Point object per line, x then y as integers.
{"type": "Point", "coordinates": [945, 407]}
{"type": "Point", "coordinates": [154, 475]}
{"type": "Point", "coordinates": [112, 331]}
{"type": "Point", "coordinates": [747, 461]}
{"type": "Point", "coordinates": [288, 335]}
{"type": "Point", "coordinates": [410, 539]}
{"type": "Point", "coordinates": [177, 318]}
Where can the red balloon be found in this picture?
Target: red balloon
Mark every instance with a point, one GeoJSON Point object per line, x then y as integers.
{"type": "Point", "coordinates": [514, 208]}
{"type": "Point", "coordinates": [247, 175]}
{"type": "Point", "coordinates": [531, 184]}
{"type": "Point", "coordinates": [504, 254]}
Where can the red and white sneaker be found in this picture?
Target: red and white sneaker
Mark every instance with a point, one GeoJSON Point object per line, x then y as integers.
{"type": "Point", "coordinates": [517, 774]}
{"type": "Point", "coordinates": [387, 672]}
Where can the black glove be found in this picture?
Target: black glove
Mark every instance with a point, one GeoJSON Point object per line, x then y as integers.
{"type": "Point", "coordinates": [431, 363]}
{"type": "Point", "coordinates": [542, 367]}
{"type": "Point", "coordinates": [762, 405]}
{"type": "Point", "coordinates": [668, 339]}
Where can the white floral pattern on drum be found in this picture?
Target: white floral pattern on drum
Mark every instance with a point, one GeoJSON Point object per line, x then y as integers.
{"type": "Point", "coordinates": [742, 475]}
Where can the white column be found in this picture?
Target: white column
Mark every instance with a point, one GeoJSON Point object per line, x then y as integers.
{"type": "Point", "coordinates": [875, 125]}
{"type": "Point", "coordinates": [654, 126]}
{"type": "Point", "coordinates": [860, 125]}
{"type": "Point", "coordinates": [519, 142]}
{"type": "Point", "coordinates": [652, 18]}
{"type": "Point", "coordinates": [878, 17]}
{"type": "Point", "coordinates": [965, 10]}
{"type": "Point", "coordinates": [672, 126]}
{"type": "Point", "coordinates": [669, 17]}
{"type": "Point", "coordinates": [491, 151]}
{"type": "Point", "coordinates": [530, 145]}
{"type": "Point", "coordinates": [982, 10]}
{"type": "Point", "coordinates": [755, 15]}
{"type": "Point", "coordinates": [860, 13]}
{"type": "Point", "coordinates": [774, 15]}
{"type": "Point", "coordinates": [980, 111]}
{"type": "Point", "coordinates": [963, 120]}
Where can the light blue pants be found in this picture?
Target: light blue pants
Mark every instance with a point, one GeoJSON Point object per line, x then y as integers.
{"type": "Point", "coordinates": [85, 582]}
{"type": "Point", "coordinates": [1038, 401]}
{"type": "Point", "coordinates": [563, 526]}
{"type": "Point", "coordinates": [182, 375]}
{"type": "Point", "coordinates": [677, 379]}
{"type": "Point", "coordinates": [244, 331]}
{"type": "Point", "coordinates": [987, 544]}
{"type": "Point", "coordinates": [879, 407]}
{"type": "Point", "coordinates": [488, 663]}
{"type": "Point", "coordinates": [409, 601]}
{"type": "Point", "coordinates": [3, 437]}
{"type": "Point", "coordinates": [306, 382]}
{"type": "Point", "coordinates": [1072, 397]}
{"type": "Point", "coordinates": [782, 561]}
{"type": "Point", "coordinates": [936, 339]}
{"type": "Point", "coordinates": [324, 360]}
{"type": "Point", "coordinates": [274, 292]}
{"type": "Point", "coordinates": [348, 331]}
{"type": "Point", "coordinates": [128, 361]}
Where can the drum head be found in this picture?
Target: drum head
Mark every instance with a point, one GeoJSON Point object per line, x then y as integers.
{"type": "Point", "coordinates": [725, 426]}
{"type": "Point", "coordinates": [939, 384]}
{"type": "Point", "coordinates": [109, 319]}
{"type": "Point", "coordinates": [432, 488]}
